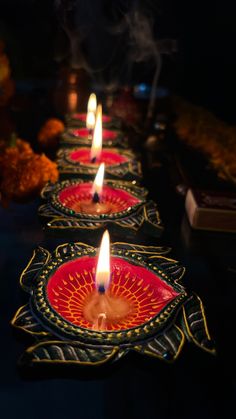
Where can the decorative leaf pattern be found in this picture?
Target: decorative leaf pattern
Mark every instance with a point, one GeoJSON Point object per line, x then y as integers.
{"type": "Point", "coordinates": [151, 214]}
{"type": "Point", "coordinates": [170, 266]}
{"type": "Point", "coordinates": [194, 323]}
{"type": "Point", "coordinates": [72, 223]}
{"type": "Point", "coordinates": [137, 248]}
{"type": "Point", "coordinates": [69, 352]}
{"type": "Point", "coordinates": [133, 222]}
{"type": "Point", "coordinates": [47, 190]}
{"type": "Point", "coordinates": [69, 248]}
{"type": "Point", "coordinates": [166, 346]}
{"type": "Point", "coordinates": [24, 320]}
{"type": "Point", "coordinates": [46, 210]}
{"type": "Point", "coordinates": [39, 259]}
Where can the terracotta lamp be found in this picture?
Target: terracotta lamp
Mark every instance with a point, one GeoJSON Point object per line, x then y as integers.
{"type": "Point", "coordinates": [84, 161]}
{"type": "Point", "coordinates": [82, 136]}
{"type": "Point", "coordinates": [88, 307]}
{"type": "Point", "coordinates": [80, 205]}
{"type": "Point", "coordinates": [86, 119]}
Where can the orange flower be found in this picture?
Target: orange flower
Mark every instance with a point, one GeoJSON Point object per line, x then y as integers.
{"type": "Point", "coordinates": [24, 173]}
{"type": "Point", "coordinates": [50, 131]}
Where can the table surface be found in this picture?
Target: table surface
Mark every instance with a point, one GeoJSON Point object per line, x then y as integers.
{"type": "Point", "coordinates": [196, 385]}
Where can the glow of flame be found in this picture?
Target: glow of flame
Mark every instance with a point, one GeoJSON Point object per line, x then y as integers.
{"type": "Point", "coordinates": [72, 101]}
{"type": "Point", "coordinates": [98, 181]}
{"type": "Point", "coordinates": [96, 147]}
{"type": "Point", "coordinates": [102, 278]}
{"type": "Point", "coordinates": [90, 120]}
{"type": "Point", "coordinates": [92, 103]}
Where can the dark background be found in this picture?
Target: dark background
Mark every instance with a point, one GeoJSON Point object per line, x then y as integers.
{"type": "Point", "coordinates": [203, 70]}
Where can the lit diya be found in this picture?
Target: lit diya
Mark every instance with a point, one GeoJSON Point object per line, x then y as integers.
{"type": "Point", "coordinates": [82, 119]}
{"type": "Point", "coordinates": [80, 204]}
{"type": "Point", "coordinates": [88, 309]}
{"type": "Point", "coordinates": [84, 161]}
{"type": "Point", "coordinates": [84, 136]}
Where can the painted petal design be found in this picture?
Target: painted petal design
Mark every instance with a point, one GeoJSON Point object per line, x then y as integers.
{"type": "Point", "coordinates": [24, 320]}
{"type": "Point", "coordinates": [195, 325]}
{"type": "Point", "coordinates": [68, 352]}
{"type": "Point", "coordinates": [69, 248]}
{"type": "Point", "coordinates": [166, 346]}
{"type": "Point", "coordinates": [39, 259]}
{"type": "Point", "coordinates": [72, 223]}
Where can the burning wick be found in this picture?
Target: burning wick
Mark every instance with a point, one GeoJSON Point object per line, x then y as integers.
{"type": "Point", "coordinates": [96, 147]}
{"type": "Point", "coordinates": [95, 206]}
{"type": "Point", "coordinates": [98, 184]}
{"type": "Point", "coordinates": [101, 307]}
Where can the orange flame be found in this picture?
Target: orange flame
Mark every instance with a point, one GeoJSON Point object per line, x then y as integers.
{"type": "Point", "coordinates": [102, 278]}
{"type": "Point", "coordinates": [96, 147]}
{"type": "Point", "coordinates": [98, 181]}
{"type": "Point", "coordinates": [92, 103]}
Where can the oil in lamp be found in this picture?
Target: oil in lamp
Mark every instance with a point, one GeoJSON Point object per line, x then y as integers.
{"type": "Point", "coordinates": [83, 161]}
{"type": "Point", "coordinates": [87, 308]}
{"type": "Point", "coordinates": [80, 205]}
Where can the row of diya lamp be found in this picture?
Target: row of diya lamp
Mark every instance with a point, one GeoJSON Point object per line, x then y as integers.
{"type": "Point", "coordinates": [88, 306]}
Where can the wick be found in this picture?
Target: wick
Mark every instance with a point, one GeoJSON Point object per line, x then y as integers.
{"type": "Point", "coordinates": [96, 198]}
{"type": "Point", "coordinates": [93, 160]}
{"type": "Point", "coordinates": [101, 289]}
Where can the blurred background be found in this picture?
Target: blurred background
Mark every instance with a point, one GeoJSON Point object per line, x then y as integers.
{"type": "Point", "coordinates": [119, 42]}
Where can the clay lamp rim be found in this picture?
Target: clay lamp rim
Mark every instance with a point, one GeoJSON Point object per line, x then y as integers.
{"type": "Point", "coordinates": [134, 191]}
{"type": "Point", "coordinates": [64, 328]}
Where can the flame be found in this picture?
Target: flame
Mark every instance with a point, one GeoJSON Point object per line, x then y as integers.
{"type": "Point", "coordinates": [102, 277]}
{"type": "Point", "coordinates": [90, 120]}
{"type": "Point", "coordinates": [92, 103]}
{"type": "Point", "coordinates": [96, 147]}
{"type": "Point", "coordinates": [98, 181]}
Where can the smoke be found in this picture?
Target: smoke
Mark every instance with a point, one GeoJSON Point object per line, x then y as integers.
{"type": "Point", "coordinates": [109, 39]}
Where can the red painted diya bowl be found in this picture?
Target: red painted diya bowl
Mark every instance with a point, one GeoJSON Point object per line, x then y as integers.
{"type": "Point", "coordinates": [119, 163]}
{"type": "Point", "coordinates": [79, 119]}
{"type": "Point", "coordinates": [111, 157]}
{"type": "Point", "coordinates": [83, 136]}
{"type": "Point", "coordinates": [122, 208]}
{"type": "Point", "coordinates": [156, 314]}
{"type": "Point", "coordinates": [106, 119]}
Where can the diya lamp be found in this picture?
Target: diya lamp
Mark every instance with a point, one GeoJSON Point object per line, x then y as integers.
{"type": "Point", "coordinates": [84, 161]}
{"type": "Point", "coordinates": [84, 135]}
{"type": "Point", "coordinates": [89, 309]}
{"type": "Point", "coordinates": [81, 205]}
{"type": "Point", "coordinates": [82, 119]}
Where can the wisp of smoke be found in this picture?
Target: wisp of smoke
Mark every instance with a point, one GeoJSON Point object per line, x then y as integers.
{"type": "Point", "coordinates": [120, 40]}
